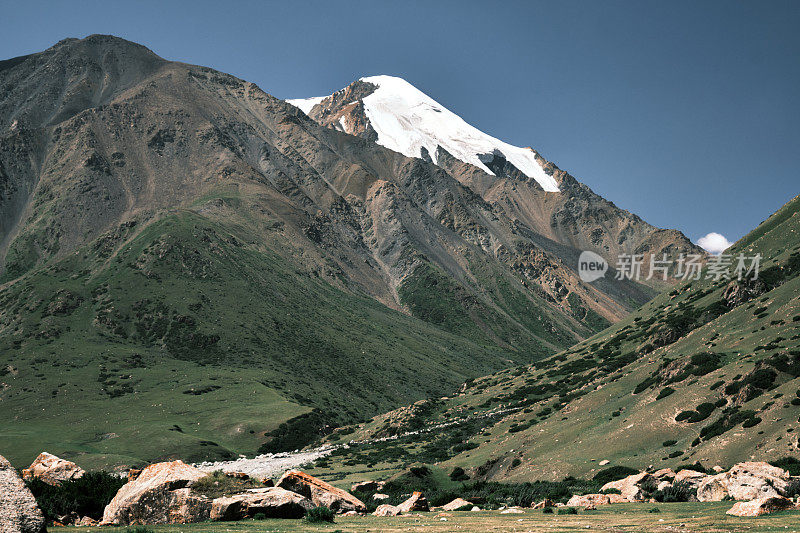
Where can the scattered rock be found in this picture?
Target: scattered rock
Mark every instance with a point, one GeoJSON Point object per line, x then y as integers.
{"type": "Point", "coordinates": [718, 469]}
{"type": "Point", "coordinates": [320, 492]}
{"type": "Point", "coordinates": [547, 502]}
{"type": "Point", "coordinates": [159, 495]}
{"type": "Point", "coordinates": [512, 510]}
{"type": "Point", "coordinates": [665, 474]}
{"type": "Point", "coordinates": [761, 506]}
{"type": "Point", "coordinates": [417, 502]}
{"type": "Point", "coordinates": [591, 500]}
{"type": "Point", "coordinates": [52, 470]}
{"type": "Point", "coordinates": [630, 487]}
{"type": "Point", "coordinates": [86, 521]}
{"type": "Point", "coordinates": [604, 462]}
{"type": "Point", "coordinates": [456, 504]}
{"type": "Point", "coordinates": [367, 486]}
{"type": "Point", "coordinates": [386, 510]}
{"type": "Point", "coordinates": [378, 497]}
{"type": "Point", "coordinates": [745, 481]}
{"type": "Point", "coordinates": [351, 513]}
{"type": "Point", "coordinates": [476, 508]}
{"type": "Point", "coordinates": [19, 512]}
{"type": "Point", "coordinates": [273, 502]}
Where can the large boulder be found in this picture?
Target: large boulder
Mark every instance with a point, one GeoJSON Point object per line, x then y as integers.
{"type": "Point", "coordinates": [52, 470]}
{"type": "Point", "coordinates": [272, 502]}
{"type": "Point", "coordinates": [320, 492]}
{"type": "Point", "coordinates": [161, 494]}
{"type": "Point", "coordinates": [457, 504]}
{"type": "Point", "coordinates": [19, 512]}
{"type": "Point", "coordinates": [386, 510]}
{"type": "Point", "coordinates": [761, 506]}
{"type": "Point", "coordinates": [417, 502]}
{"type": "Point", "coordinates": [592, 500]}
{"type": "Point", "coordinates": [692, 478]}
{"type": "Point", "coordinates": [745, 481]}
{"type": "Point", "coordinates": [631, 486]}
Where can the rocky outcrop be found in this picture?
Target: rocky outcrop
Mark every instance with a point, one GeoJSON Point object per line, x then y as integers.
{"type": "Point", "coordinates": [159, 495]}
{"type": "Point", "coordinates": [19, 512]}
{"type": "Point", "coordinates": [386, 510]}
{"type": "Point", "coordinates": [367, 486]}
{"type": "Point", "coordinates": [592, 500]}
{"type": "Point", "coordinates": [761, 506]}
{"type": "Point", "coordinates": [457, 504]}
{"type": "Point", "coordinates": [320, 492]}
{"type": "Point", "coordinates": [378, 497]}
{"type": "Point", "coordinates": [272, 502]}
{"type": "Point", "coordinates": [745, 481]}
{"type": "Point", "coordinates": [52, 470]}
{"type": "Point", "coordinates": [631, 486]}
{"type": "Point", "coordinates": [547, 502]}
{"type": "Point", "coordinates": [417, 502]}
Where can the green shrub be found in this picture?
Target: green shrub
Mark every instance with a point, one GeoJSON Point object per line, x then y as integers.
{"type": "Point", "coordinates": [680, 491]}
{"type": "Point", "coordinates": [668, 443]}
{"type": "Point", "coordinates": [567, 510]}
{"type": "Point", "coordinates": [260, 516]}
{"type": "Point", "coordinates": [654, 510]}
{"type": "Point", "coordinates": [547, 510]}
{"type": "Point", "coordinates": [85, 496]}
{"type": "Point", "coordinates": [613, 473]}
{"type": "Point", "coordinates": [458, 474]}
{"type": "Point", "coordinates": [666, 391]}
{"type": "Point", "coordinates": [790, 464]}
{"type": "Point", "coordinates": [320, 514]}
{"type": "Point", "coordinates": [139, 529]}
{"type": "Point", "coordinates": [217, 484]}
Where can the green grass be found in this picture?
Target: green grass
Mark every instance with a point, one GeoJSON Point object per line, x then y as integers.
{"type": "Point", "coordinates": [701, 517]}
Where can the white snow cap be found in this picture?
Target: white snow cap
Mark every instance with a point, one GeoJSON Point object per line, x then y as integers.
{"type": "Point", "coordinates": [407, 120]}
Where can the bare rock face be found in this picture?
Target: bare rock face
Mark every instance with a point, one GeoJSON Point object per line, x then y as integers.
{"type": "Point", "coordinates": [320, 492]}
{"type": "Point", "coordinates": [761, 506]}
{"type": "Point", "coordinates": [273, 502]}
{"type": "Point", "coordinates": [159, 495]}
{"type": "Point", "coordinates": [52, 469]}
{"type": "Point", "coordinates": [19, 512]}
{"type": "Point", "coordinates": [380, 497]}
{"type": "Point", "coordinates": [417, 502]}
{"type": "Point", "coordinates": [630, 487]}
{"type": "Point", "coordinates": [456, 504]}
{"type": "Point", "coordinates": [386, 510]}
{"type": "Point", "coordinates": [592, 500]}
{"type": "Point", "coordinates": [745, 481]}
{"type": "Point", "coordinates": [547, 502]}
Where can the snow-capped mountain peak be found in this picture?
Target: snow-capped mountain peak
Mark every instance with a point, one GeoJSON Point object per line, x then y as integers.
{"type": "Point", "coordinates": [407, 120]}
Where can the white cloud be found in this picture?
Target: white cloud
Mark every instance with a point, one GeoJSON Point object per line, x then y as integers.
{"type": "Point", "coordinates": [714, 243]}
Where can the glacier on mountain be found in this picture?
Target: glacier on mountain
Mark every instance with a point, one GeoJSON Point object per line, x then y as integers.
{"type": "Point", "coordinates": [407, 120]}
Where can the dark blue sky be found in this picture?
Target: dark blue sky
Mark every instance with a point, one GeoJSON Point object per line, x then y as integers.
{"type": "Point", "coordinates": [686, 113]}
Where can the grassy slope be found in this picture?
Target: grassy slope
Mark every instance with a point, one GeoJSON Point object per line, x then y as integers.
{"type": "Point", "coordinates": [192, 339]}
{"type": "Point", "coordinates": [579, 407]}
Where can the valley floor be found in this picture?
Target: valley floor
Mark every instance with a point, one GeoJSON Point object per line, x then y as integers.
{"type": "Point", "coordinates": [672, 517]}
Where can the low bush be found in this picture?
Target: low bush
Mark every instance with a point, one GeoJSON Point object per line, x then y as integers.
{"type": "Point", "coordinates": [613, 473]}
{"type": "Point", "coordinates": [86, 496]}
{"type": "Point", "coordinates": [680, 491]}
{"type": "Point", "coordinates": [217, 484]}
{"type": "Point", "coordinates": [567, 510]}
{"type": "Point", "coordinates": [319, 515]}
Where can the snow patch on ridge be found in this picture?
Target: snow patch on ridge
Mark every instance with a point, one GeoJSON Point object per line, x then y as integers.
{"type": "Point", "coordinates": [305, 104]}
{"type": "Point", "coordinates": [407, 120]}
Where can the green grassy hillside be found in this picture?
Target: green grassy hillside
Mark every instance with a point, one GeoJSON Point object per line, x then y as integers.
{"type": "Point", "coordinates": [190, 338]}
{"type": "Point", "coordinates": [707, 372]}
